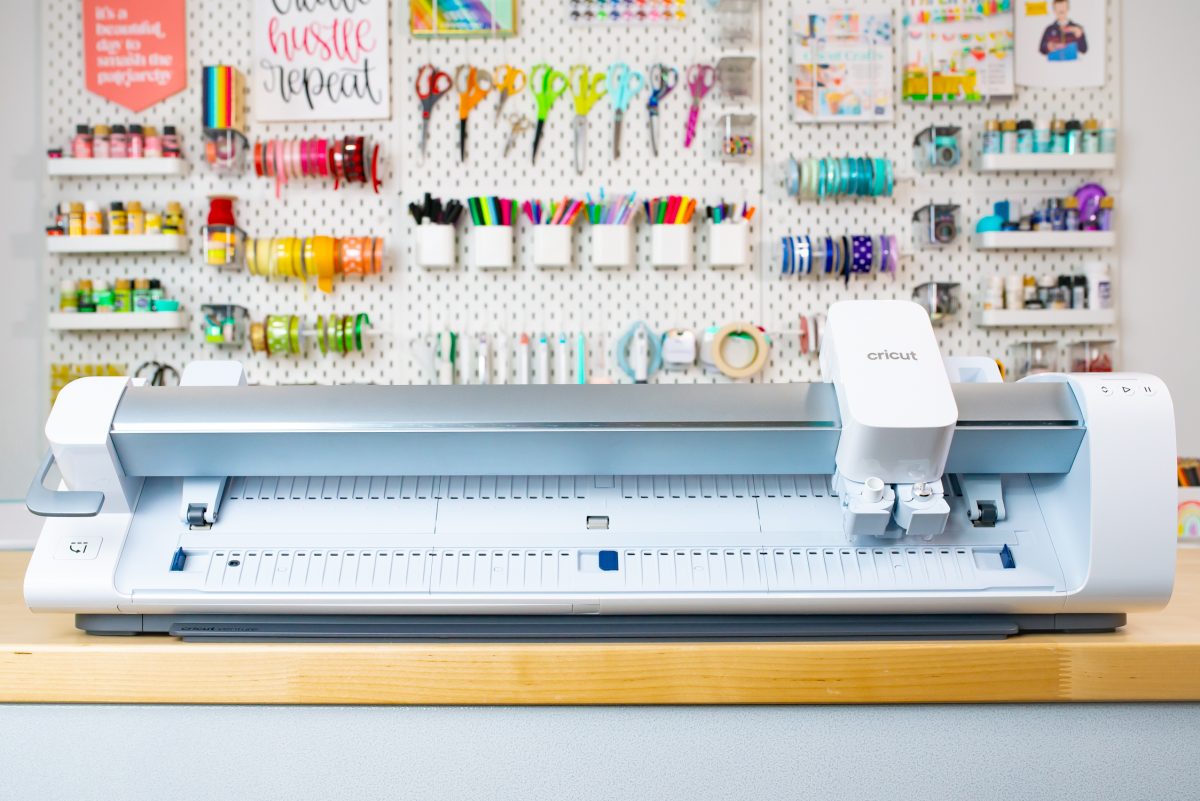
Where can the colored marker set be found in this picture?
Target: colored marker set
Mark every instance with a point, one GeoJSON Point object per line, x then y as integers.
{"type": "Point", "coordinates": [562, 212]}
{"type": "Point", "coordinates": [492, 211]}
{"type": "Point", "coordinates": [673, 210]}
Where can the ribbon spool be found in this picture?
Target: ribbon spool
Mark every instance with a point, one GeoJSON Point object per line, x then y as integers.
{"type": "Point", "coordinates": [350, 159]}
{"type": "Point", "coordinates": [761, 352]}
{"type": "Point", "coordinates": [286, 333]}
{"type": "Point", "coordinates": [320, 257]}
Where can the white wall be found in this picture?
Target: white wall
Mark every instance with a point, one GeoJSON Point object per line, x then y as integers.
{"type": "Point", "coordinates": [1159, 202]}
{"type": "Point", "coordinates": [22, 218]}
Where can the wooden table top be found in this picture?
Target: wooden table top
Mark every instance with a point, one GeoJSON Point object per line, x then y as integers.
{"type": "Point", "coordinates": [43, 658]}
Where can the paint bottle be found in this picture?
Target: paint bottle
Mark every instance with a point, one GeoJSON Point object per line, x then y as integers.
{"type": "Point", "coordinates": [118, 143]}
{"type": "Point", "coordinates": [100, 143]}
{"type": "Point", "coordinates": [75, 220]}
{"type": "Point", "coordinates": [1071, 213]}
{"type": "Point", "coordinates": [156, 293]}
{"type": "Point", "coordinates": [68, 296]}
{"type": "Point", "coordinates": [141, 295]}
{"type": "Point", "coordinates": [137, 218]}
{"type": "Point", "coordinates": [1074, 137]}
{"type": "Point", "coordinates": [153, 223]}
{"type": "Point", "coordinates": [1108, 137]}
{"type": "Point", "coordinates": [1058, 137]}
{"type": "Point", "coordinates": [93, 220]}
{"type": "Point", "coordinates": [137, 142]}
{"type": "Point", "coordinates": [123, 295]}
{"type": "Point", "coordinates": [1091, 136]}
{"type": "Point", "coordinates": [1104, 217]}
{"type": "Point", "coordinates": [1079, 292]}
{"type": "Point", "coordinates": [1099, 285]}
{"type": "Point", "coordinates": [1042, 137]}
{"type": "Point", "coordinates": [173, 221]}
{"type": "Point", "coordinates": [104, 297]}
{"type": "Point", "coordinates": [85, 299]}
{"type": "Point", "coordinates": [1025, 136]}
{"type": "Point", "coordinates": [81, 143]}
{"type": "Point", "coordinates": [1008, 136]}
{"type": "Point", "coordinates": [991, 137]}
{"type": "Point", "coordinates": [118, 220]}
{"type": "Point", "coordinates": [170, 142]}
{"type": "Point", "coordinates": [153, 143]}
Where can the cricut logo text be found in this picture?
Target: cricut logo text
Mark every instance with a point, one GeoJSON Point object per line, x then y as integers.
{"type": "Point", "coordinates": [891, 355]}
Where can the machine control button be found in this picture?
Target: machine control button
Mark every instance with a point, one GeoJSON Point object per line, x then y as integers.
{"type": "Point", "coordinates": [1106, 390]}
{"type": "Point", "coordinates": [1146, 390]}
{"type": "Point", "coordinates": [78, 547]}
{"type": "Point", "coordinates": [1128, 391]}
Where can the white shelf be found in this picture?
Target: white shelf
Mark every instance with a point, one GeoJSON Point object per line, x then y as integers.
{"type": "Point", "coordinates": [118, 321]}
{"type": "Point", "coordinates": [108, 243]}
{"type": "Point", "coordinates": [998, 318]}
{"type": "Point", "coordinates": [997, 240]}
{"type": "Point", "coordinates": [1012, 162]}
{"type": "Point", "coordinates": [118, 167]}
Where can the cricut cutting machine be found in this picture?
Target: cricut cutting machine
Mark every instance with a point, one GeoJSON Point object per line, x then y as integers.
{"type": "Point", "coordinates": [887, 501]}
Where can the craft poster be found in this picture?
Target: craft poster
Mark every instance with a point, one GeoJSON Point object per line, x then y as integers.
{"type": "Point", "coordinates": [841, 66]}
{"type": "Point", "coordinates": [1061, 43]}
{"type": "Point", "coordinates": [321, 60]}
{"type": "Point", "coordinates": [463, 17]}
{"type": "Point", "coordinates": [135, 51]}
{"type": "Point", "coordinates": [958, 52]}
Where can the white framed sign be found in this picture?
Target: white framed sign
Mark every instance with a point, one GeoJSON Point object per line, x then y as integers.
{"type": "Point", "coordinates": [321, 60]}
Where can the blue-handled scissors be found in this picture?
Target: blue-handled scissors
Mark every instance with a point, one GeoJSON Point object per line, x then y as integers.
{"type": "Point", "coordinates": [623, 84]}
{"type": "Point", "coordinates": [663, 79]}
{"type": "Point", "coordinates": [547, 85]}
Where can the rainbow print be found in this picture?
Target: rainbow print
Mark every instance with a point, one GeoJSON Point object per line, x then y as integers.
{"type": "Point", "coordinates": [463, 17]}
{"type": "Point", "coordinates": [1189, 521]}
{"type": "Point", "coordinates": [221, 98]}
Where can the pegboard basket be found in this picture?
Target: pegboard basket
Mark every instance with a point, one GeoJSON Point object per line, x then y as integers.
{"type": "Point", "coordinates": [612, 246]}
{"type": "Point", "coordinates": [225, 149]}
{"type": "Point", "coordinates": [728, 245]}
{"type": "Point", "coordinates": [492, 247]}
{"type": "Point", "coordinates": [552, 246]}
{"type": "Point", "coordinates": [671, 246]}
{"type": "Point", "coordinates": [436, 246]}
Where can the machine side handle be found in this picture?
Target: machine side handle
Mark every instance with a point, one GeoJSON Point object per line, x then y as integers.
{"type": "Point", "coordinates": [60, 503]}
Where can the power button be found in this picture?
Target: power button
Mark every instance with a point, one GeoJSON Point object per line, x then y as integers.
{"type": "Point", "coordinates": [78, 547]}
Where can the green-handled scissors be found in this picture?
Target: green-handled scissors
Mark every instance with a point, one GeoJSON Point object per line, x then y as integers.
{"type": "Point", "coordinates": [587, 89]}
{"type": "Point", "coordinates": [547, 84]}
{"type": "Point", "coordinates": [623, 84]}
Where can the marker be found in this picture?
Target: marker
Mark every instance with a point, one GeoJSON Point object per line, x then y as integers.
{"type": "Point", "coordinates": [502, 359]}
{"type": "Point", "coordinates": [639, 356]}
{"type": "Point", "coordinates": [445, 357]}
{"type": "Point", "coordinates": [562, 355]}
{"type": "Point", "coordinates": [483, 367]}
{"type": "Point", "coordinates": [542, 369]}
{"type": "Point", "coordinates": [580, 359]}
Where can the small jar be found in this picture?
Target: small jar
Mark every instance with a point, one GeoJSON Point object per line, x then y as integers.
{"type": "Point", "coordinates": [170, 142]}
{"type": "Point", "coordinates": [153, 143]}
{"type": "Point", "coordinates": [68, 296]}
{"type": "Point", "coordinates": [991, 138]}
{"type": "Point", "coordinates": [1071, 213]}
{"type": "Point", "coordinates": [1091, 136]}
{"type": "Point", "coordinates": [137, 142]}
{"type": "Point", "coordinates": [1045, 290]}
{"type": "Point", "coordinates": [1031, 293]}
{"type": "Point", "coordinates": [118, 221]}
{"type": "Point", "coordinates": [1008, 136]}
{"type": "Point", "coordinates": [141, 295]}
{"type": "Point", "coordinates": [156, 293]}
{"type": "Point", "coordinates": [1058, 143]}
{"type": "Point", "coordinates": [137, 218]}
{"type": "Point", "coordinates": [81, 143]}
{"type": "Point", "coordinates": [153, 223]}
{"type": "Point", "coordinates": [104, 297]}
{"type": "Point", "coordinates": [122, 295]}
{"type": "Point", "coordinates": [85, 297]}
{"type": "Point", "coordinates": [75, 216]}
{"type": "Point", "coordinates": [100, 143]}
{"type": "Point", "coordinates": [1025, 136]}
{"type": "Point", "coordinates": [1074, 137]}
{"type": "Point", "coordinates": [1079, 292]}
{"type": "Point", "coordinates": [1062, 293]}
{"type": "Point", "coordinates": [118, 143]}
{"type": "Point", "coordinates": [93, 220]}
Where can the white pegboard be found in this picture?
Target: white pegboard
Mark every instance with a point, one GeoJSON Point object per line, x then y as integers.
{"type": "Point", "coordinates": [409, 303]}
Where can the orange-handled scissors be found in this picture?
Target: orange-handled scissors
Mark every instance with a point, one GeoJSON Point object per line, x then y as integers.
{"type": "Point", "coordinates": [472, 85]}
{"type": "Point", "coordinates": [509, 81]}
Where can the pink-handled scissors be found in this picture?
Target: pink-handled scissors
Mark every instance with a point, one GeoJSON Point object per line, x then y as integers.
{"type": "Point", "coordinates": [700, 78]}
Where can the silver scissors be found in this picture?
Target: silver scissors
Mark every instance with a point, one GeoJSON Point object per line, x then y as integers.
{"type": "Point", "coordinates": [663, 80]}
{"type": "Point", "coordinates": [520, 124]}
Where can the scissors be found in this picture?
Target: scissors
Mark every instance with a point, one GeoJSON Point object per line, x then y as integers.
{"type": "Point", "coordinates": [623, 84]}
{"type": "Point", "coordinates": [473, 86]}
{"type": "Point", "coordinates": [509, 81]}
{"type": "Point", "coordinates": [520, 124]}
{"type": "Point", "coordinates": [587, 89]}
{"type": "Point", "coordinates": [662, 81]}
{"type": "Point", "coordinates": [700, 78]}
{"type": "Point", "coordinates": [437, 83]}
{"type": "Point", "coordinates": [548, 86]}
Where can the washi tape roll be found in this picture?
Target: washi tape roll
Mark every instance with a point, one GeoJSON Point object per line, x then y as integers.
{"type": "Point", "coordinates": [761, 352]}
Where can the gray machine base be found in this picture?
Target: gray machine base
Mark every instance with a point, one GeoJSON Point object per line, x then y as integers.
{"type": "Point", "coordinates": [594, 628]}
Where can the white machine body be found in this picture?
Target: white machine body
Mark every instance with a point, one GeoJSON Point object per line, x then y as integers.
{"type": "Point", "coordinates": [889, 492]}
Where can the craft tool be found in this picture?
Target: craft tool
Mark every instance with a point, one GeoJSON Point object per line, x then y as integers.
{"type": "Point", "coordinates": [473, 85]}
{"type": "Point", "coordinates": [663, 80]}
{"type": "Point", "coordinates": [587, 89]}
{"type": "Point", "coordinates": [700, 78]}
{"type": "Point", "coordinates": [623, 84]}
{"type": "Point", "coordinates": [436, 84]}
{"type": "Point", "coordinates": [548, 84]}
{"type": "Point", "coordinates": [509, 81]}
